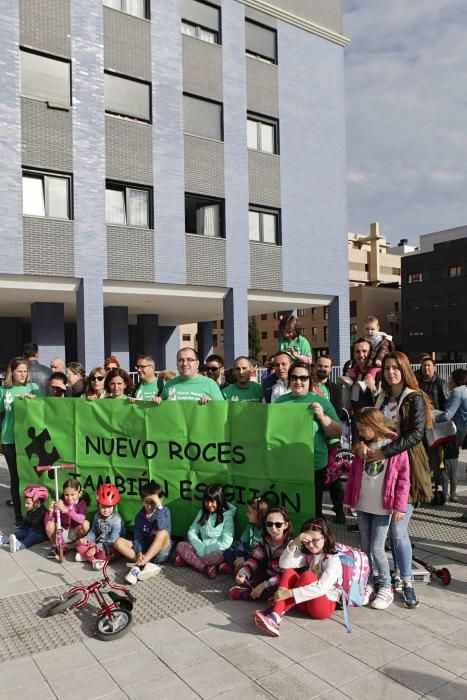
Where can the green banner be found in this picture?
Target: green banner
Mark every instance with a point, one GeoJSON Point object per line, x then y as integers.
{"type": "Point", "coordinates": [251, 449]}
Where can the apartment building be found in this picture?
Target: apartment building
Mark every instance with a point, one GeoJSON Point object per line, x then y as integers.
{"type": "Point", "coordinates": [167, 162]}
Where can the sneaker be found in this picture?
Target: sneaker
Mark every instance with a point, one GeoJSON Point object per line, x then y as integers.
{"type": "Point", "coordinates": [409, 596]}
{"type": "Point", "coordinates": [13, 542]}
{"type": "Point", "coordinates": [267, 623]}
{"type": "Point", "coordinates": [132, 575]}
{"type": "Point", "coordinates": [225, 569]}
{"type": "Point", "coordinates": [98, 564]}
{"type": "Point", "coordinates": [369, 593]}
{"type": "Point", "coordinates": [454, 499]}
{"type": "Point", "coordinates": [179, 561]}
{"type": "Point", "coordinates": [52, 553]}
{"type": "Point", "coordinates": [80, 557]}
{"type": "Point", "coordinates": [345, 381]}
{"type": "Point", "coordinates": [362, 385]}
{"type": "Point", "coordinates": [383, 598]}
{"type": "Point", "coordinates": [5, 539]}
{"type": "Point", "coordinates": [149, 570]}
{"type": "Point", "coordinates": [237, 592]}
{"type": "Point", "coordinates": [211, 571]}
{"type": "Point", "coordinates": [463, 517]}
{"type": "Point", "coordinates": [396, 582]}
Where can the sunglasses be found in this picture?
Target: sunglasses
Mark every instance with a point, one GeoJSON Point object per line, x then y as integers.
{"type": "Point", "coordinates": [313, 541]}
{"type": "Point", "coordinates": [299, 378]}
{"type": "Point", "coordinates": [212, 369]}
{"type": "Point", "coordinates": [97, 379]}
{"type": "Point", "coordinates": [275, 524]}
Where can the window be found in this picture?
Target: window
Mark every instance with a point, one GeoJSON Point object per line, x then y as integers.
{"type": "Point", "coordinates": [45, 78]}
{"type": "Point", "coordinates": [264, 226]}
{"type": "Point", "coordinates": [128, 206]}
{"type": "Point", "coordinates": [260, 42]}
{"type": "Point", "coordinates": [314, 333]}
{"type": "Point", "coordinates": [202, 118]}
{"type": "Point", "coordinates": [396, 306]}
{"type": "Point", "coordinates": [204, 216]}
{"type": "Point", "coordinates": [326, 332]}
{"type": "Point", "coordinates": [46, 195]}
{"type": "Point", "coordinates": [313, 312]}
{"type": "Point", "coordinates": [127, 97]}
{"type": "Point", "coordinates": [439, 301]}
{"type": "Point", "coordinates": [419, 304]}
{"type": "Point", "coordinates": [415, 277]}
{"type": "Point", "coordinates": [440, 329]}
{"type": "Point", "coordinates": [264, 335]}
{"type": "Point", "coordinates": [457, 299]}
{"type": "Point", "coordinates": [137, 8]}
{"type": "Point", "coordinates": [300, 312]}
{"type": "Point", "coordinates": [201, 20]}
{"type": "Point", "coordinates": [214, 339]}
{"type": "Point", "coordinates": [186, 337]}
{"type": "Point", "coordinates": [262, 134]}
{"type": "Point", "coordinates": [353, 331]}
{"type": "Point", "coordinates": [264, 317]}
{"type": "Point", "coordinates": [353, 308]}
{"type": "Point", "coordinates": [325, 313]}
{"type": "Point", "coordinates": [276, 334]}
{"type": "Point", "coordinates": [455, 271]}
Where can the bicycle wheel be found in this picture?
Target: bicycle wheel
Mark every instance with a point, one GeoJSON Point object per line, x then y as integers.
{"type": "Point", "coordinates": [112, 629]}
{"type": "Point", "coordinates": [62, 605]}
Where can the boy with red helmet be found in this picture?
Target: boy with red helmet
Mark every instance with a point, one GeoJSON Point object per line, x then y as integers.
{"type": "Point", "coordinates": [107, 528]}
{"type": "Point", "coordinates": [32, 530]}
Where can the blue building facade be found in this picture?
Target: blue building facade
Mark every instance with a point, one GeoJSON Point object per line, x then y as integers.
{"type": "Point", "coordinates": [169, 162]}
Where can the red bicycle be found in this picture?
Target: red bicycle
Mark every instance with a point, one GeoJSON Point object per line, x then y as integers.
{"type": "Point", "coordinates": [114, 618]}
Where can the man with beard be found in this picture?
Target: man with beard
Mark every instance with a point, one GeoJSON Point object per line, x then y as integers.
{"type": "Point", "coordinates": [333, 392]}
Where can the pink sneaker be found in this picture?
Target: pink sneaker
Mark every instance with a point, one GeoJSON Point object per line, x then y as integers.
{"type": "Point", "coordinates": [179, 561]}
{"type": "Point", "coordinates": [211, 571]}
{"type": "Point", "coordinates": [267, 623]}
{"type": "Point", "coordinates": [226, 569]}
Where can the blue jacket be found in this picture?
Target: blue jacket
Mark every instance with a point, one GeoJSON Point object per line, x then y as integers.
{"type": "Point", "coordinates": [456, 410]}
{"type": "Point", "coordinates": [210, 537]}
{"type": "Point", "coordinates": [146, 528]}
{"type": "Point", "coordinates": [106, 530]}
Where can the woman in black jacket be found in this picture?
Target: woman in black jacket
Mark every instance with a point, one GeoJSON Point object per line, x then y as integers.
{"type": "Point", "coordinates": [408, 409]}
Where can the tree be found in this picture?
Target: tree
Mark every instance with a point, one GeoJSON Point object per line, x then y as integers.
{"type": "Point", "coordinates": [254, 338]}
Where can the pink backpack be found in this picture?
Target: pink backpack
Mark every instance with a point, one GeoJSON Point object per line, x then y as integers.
{"type": "Point", "coordinates": [355, 572]}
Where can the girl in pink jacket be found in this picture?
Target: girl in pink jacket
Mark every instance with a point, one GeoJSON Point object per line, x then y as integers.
{"type": "Point", "coordinates": [379, 491]}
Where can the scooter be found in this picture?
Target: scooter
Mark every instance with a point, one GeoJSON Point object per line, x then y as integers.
{"type": "Point", "coordinates": [443, 574]}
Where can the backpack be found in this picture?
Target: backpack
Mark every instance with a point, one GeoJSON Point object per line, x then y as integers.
{"type": "Point", "coordinates": [355, 572]}
{"type": "Point", "coordinates": [340, 455]}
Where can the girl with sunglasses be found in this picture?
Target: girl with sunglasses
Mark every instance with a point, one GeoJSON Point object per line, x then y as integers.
{"type": "Point", "coordinates": [260, 574]}
{"type": "Point", "coordinates": [317, 590]}
{"type": "Point", "coordinates": [95, 388]}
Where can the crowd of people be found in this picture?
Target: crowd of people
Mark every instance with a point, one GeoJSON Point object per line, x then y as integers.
{"type": "Point", "coordinates": [393, 469]}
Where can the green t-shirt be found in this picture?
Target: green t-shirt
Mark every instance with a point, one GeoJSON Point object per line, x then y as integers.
{"type": "Point", "coordinates": [252, 394]}
{"type": "Point", "coordinates": [300, 344]}
{"type": "Point", "coordinates": [146, 391]}
{"type": "Point", "coordinates": [251, 536]}
{"type": "Point", "coordinates": [182, 389]}
{"type": "Point", "coordinates": [8, 395]}
{"type": "Point", "coordinates": [324, 388]}
{"type": "Point", "coordinates": [319, 436]}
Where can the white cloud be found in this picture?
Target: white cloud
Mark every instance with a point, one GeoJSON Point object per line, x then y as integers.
{"type": "Point", "coordinates": [406, 87]}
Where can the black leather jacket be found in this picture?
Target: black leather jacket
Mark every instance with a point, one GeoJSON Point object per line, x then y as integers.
{"type": "Point", "coordinates": [412, 412]}
{"type": "Point", "coordinates": [40, 375]}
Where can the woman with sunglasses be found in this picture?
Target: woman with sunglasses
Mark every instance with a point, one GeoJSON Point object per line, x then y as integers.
{"type": "Point", "coordinates": [316, 591]}
{"type": "Point", "coordinates": [95, 386]}
{"type": "Point", "coordinates": [326, 425]}
{"type": "Point", "coordinates": [258, 577]}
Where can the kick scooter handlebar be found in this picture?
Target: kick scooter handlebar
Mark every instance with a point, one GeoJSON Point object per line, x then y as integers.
{"type": "Point", "coordinates": [55, 467]}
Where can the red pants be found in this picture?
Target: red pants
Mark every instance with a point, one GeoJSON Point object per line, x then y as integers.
{"type": "Point", "coordinates": [317, 608]}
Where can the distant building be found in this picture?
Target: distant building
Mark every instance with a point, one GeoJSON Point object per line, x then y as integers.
{"type": "Point", "coordinates": [434, 297]}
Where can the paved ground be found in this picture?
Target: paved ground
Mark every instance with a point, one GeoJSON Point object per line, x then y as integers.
{"type": "Point", "coordinates": [190, 641]}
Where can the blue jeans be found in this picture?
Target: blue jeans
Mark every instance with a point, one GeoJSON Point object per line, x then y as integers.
{"type": "Point", "coordinates": [238, 549]}
{"type": "Point", "coordinates": [401, 545]}
{"type": "Point", "coordinates": [162, 556]}
{"type": "Point", "coordinates": [373, 531]}
{"type": "Point", "coordinates": [28, 538]}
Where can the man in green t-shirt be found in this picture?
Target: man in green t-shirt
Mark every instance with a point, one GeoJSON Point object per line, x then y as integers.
{"type": "Point", "coordinates": [147, 389]}
{"type": "Point", "coordinates": [243, 389]}
{"type": "Point", "coordinates": [190, 385]}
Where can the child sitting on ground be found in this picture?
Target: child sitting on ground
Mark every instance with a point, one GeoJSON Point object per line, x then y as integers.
{"type": "Point", "coordinates": [234, 556]}
{"type": "Point", "coordinates": [379, 491]}
{"type": "Point", "coordinates": [152, 544]}
{"type": "Point", "coordinates": [32, 530]}
{"type": "Point", "coordinates": [72, 506]}
{"type": "Point", "coordinates": [380, 345]}
{"type": "Point", "coordinates": [293, 342]}
{"type": "Point", "coordinates": [317, 590]}
{"type": "Point", "coordinates": [107, 529]}
{"type": "Point", "coordinates": [260, 574]}
{"type": "Point", "coordinates": [209, 535]}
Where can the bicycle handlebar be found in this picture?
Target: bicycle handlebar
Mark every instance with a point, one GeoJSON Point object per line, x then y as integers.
{"type": "Point", "coordinates": [55, 467]}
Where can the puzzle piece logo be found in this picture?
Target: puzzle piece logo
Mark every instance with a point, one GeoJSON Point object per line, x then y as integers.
{"type": "Point", "coordinates": [37, 447]}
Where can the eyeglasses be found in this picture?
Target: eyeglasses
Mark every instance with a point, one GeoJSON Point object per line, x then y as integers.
{"type": "Point", "coordinates": [314, 541]}
{"type": "Point", "coordinates": [97, 379]}
{"type": "Point", "coordinates": [142, 366]}
{"type": "Point", "coordinates": [299, 378]}
{"type": "Point", "coordinates": [212, 369]}
{"type": "Point", "coordinates": [274, 524]}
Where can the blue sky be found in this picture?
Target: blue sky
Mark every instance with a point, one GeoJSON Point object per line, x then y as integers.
{"type": "Point", "coordinates": [406, 100]}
